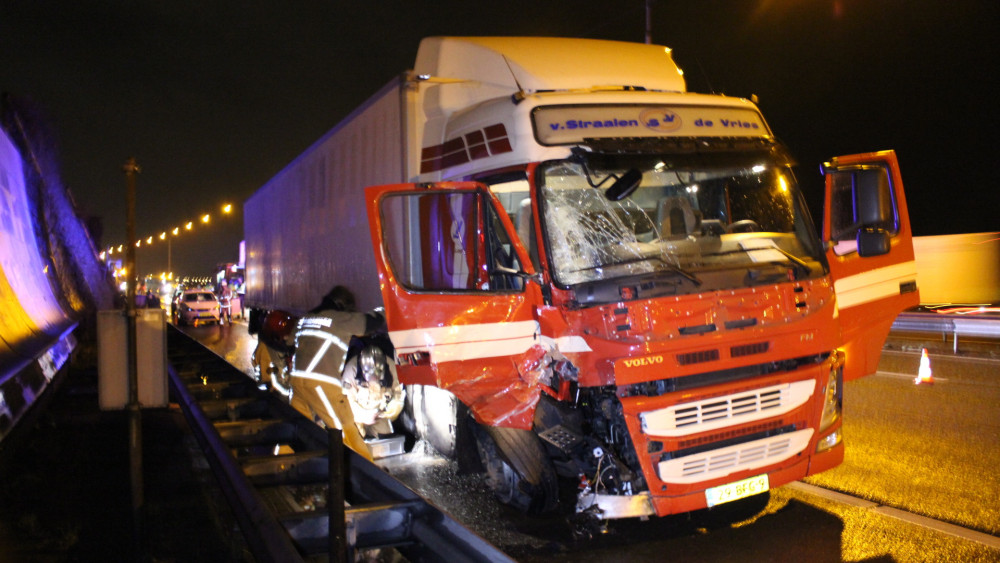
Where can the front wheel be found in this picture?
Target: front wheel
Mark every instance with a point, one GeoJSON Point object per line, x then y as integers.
{"type": "Point", "coordinates": [517, 468]}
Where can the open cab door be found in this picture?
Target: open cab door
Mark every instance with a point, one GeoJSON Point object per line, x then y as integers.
{"type": "Point", "coordinates": [869, 247]}
{"type": "Point", "coordinates": [459, 302]}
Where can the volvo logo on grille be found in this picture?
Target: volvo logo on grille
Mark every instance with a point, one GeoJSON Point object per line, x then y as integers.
{"type": "Point", "coordinates": [640, 362]}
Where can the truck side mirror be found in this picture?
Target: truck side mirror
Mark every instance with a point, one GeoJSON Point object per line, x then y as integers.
{"type": "Point", "coordinates": [862, 209]}
{"type": "Point", "coordinates": [873, 242]}
{"type": "Point", "coordinates": [874, 198]}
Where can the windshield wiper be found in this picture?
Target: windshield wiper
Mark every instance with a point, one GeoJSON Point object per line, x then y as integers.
{"type": "Point", "coordinates": [670, 267]}
{"type": "Point", "coordinates": [678, 270]}
{"type": "Point", "coordinates": [800, 265]}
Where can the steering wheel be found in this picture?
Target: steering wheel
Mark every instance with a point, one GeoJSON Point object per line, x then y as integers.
{"type": "Point", "coordinates": [743, 226]}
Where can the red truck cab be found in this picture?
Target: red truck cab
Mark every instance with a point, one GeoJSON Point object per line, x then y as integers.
{"type": "Point", "coordinates": [674, 344]}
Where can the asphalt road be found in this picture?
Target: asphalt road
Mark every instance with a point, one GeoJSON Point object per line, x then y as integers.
{"type": "Point", "coordinates": [921, 478]}
{"type": "Point", "coordinates": [931, 449]}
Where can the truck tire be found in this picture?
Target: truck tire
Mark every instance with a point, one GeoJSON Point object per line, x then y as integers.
{"type": "Point", "coordinates": [517, 468]}
{"type": "Point", "coordinates": [434, 413]}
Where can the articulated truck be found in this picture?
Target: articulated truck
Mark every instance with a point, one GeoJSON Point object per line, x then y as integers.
{"type": "Point", "coordinates": [588, 273]}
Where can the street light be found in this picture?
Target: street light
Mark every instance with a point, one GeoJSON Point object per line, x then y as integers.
{"type": "Point", "coordinates": [203, 220]}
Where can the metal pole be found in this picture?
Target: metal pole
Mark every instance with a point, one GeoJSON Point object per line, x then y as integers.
{"type": "Point", "coordinates": [134, 415]}
{"type": "Point", "coordinates": [649, 23]}
{"type": "Point", "coordinates": [337, 534]}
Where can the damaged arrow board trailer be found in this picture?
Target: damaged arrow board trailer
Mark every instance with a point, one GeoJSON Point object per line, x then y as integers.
{"type": "Point", "coordinates": [589, 273]}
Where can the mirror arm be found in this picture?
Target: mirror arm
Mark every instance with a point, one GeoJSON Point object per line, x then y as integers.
{"type": "Point", "coordinates": [504, 270]}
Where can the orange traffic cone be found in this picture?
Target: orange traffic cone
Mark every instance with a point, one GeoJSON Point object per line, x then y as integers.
{"type": "Point", "coordinates": [924, 374]}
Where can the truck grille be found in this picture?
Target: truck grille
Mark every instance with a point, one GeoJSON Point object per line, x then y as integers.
{"type": "Point", "coordinates": [749, 349]}
{"type": "Point", "coordinates": [697, 357]}
{"type": "Point", "coordinates": [741, 457]}
{"type": "Point", "coordinates": [718, 412]}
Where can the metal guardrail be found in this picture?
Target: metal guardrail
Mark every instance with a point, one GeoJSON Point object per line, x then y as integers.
{"type": "Point", "coordinates": [268, 541]}
{"type": "Point", "coordinates": [235, 423]}
{"type": "Point", "coordinates": [27, 370]}
{"type": "Point", "coordinates": [945, 325]}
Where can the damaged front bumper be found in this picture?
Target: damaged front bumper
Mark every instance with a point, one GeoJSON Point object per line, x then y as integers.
{"type": "Point", "coordinates": [608, 507]}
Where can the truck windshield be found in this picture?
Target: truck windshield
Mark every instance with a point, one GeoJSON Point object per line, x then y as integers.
{"type": "Point", "coordinates": [706, 222]}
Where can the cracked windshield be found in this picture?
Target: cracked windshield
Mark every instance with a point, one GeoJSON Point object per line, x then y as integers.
{"type": "Point", "coordinates": [714, 225]}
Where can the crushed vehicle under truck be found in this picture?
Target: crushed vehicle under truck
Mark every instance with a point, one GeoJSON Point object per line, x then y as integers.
{"type": "Point", "coordinates": [595, 275]}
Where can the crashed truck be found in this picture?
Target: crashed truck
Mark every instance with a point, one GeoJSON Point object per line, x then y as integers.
{"type": "Point", "coordinates": [589, 273]}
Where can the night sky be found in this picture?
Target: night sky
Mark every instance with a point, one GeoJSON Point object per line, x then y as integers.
{"type": "Point", "coordinates": [214, 98]}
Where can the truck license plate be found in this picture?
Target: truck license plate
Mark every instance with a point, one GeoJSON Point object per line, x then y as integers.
{"type": "Point", "coordinates": [737, 490]}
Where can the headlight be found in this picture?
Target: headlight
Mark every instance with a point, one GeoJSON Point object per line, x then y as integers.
{"type": "Point", "coordinates": [829, 441]}
{"type": "Point", "coordinates": [833, 399]}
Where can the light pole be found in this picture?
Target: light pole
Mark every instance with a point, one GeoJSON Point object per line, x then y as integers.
{"type": "Point", "coordinates": [649, 23]}
{"type": "Point", "coordinates": [131, 168]}
{"type": "Point", "coordinates": [166, 237]}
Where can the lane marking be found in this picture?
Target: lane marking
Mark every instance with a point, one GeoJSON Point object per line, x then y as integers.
{"type": "Point", "coordinates": [909, 517]}
{"type": "Point", "coordinates": [911, 377]}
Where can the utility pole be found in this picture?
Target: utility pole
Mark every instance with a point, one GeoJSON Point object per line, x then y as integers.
{"type": "Point", "coordinates": [134, 414]}
{"type": "Point", "coordinates": [649, 22]}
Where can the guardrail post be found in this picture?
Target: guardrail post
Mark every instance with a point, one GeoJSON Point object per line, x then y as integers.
{"type": "Point", "coordinates": [337, 534]}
